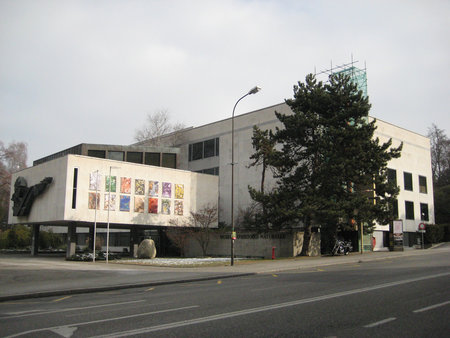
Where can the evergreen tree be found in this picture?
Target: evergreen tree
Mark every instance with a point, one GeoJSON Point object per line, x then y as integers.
{"type": "Point", "coordinates": [330, 170]}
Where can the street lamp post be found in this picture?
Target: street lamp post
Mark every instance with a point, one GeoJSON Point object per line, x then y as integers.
{"type": "Point", "coordinates": [254, 90]}
{"type": "Point", "coordinates": [95, 215]}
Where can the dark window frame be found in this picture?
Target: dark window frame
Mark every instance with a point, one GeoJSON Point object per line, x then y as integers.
{"type": "Point", "coordinates": [138, 160]}
{"type": "Point", "coordinates": [423, 184]}
{"type": "Point", "coordinates": [408, 181]}
{"type": "Point", "coordinates": [169, 160]}
{"type": "Point", "coordinates": [392, 176]}
{"type": "Point", "coordinates": [75, 187]}
{"type": "Point", "coordinates": [203, 149]}
{"type": "Point", "coordinates": [152, 158]}
{"type": "Point", "coordinates": [409, 210]}
{"type": "Point", "coordinates": [96, 153]}
{"type": "Point", "coordinates": [424, 212]}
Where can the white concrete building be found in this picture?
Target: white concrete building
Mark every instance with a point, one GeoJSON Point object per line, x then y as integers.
{"type": "Point", "coordinates": [202, 156]}
{"type": "Point", "coordinates": [208, 149]}
{"type": "Point", "coordinates": [141, 196]}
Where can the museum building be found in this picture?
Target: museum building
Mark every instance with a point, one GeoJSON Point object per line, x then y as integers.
{"type": "Point", "coordinates": [139, 190]}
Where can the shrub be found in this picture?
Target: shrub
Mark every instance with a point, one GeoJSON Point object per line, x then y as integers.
{"type": "Point", "coordinates": [18, 237]}
{"type": "Point", "coordinates": [434, 233]}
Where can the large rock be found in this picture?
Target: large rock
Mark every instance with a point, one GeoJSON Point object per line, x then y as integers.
{"type": "Point", "coordinates": [147, 249]}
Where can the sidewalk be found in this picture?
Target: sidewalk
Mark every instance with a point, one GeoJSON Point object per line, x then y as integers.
{"type": "Point", "coordinates": [23, 276]}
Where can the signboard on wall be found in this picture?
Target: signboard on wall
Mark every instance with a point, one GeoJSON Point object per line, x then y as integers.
{"type": "Point", "coordinates": [397, 230]}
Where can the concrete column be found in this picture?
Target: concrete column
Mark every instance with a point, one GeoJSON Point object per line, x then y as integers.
{"type": "Point", "coordinates": [35, 239]}
{"type": "Point", "coordinates": [71, 240]}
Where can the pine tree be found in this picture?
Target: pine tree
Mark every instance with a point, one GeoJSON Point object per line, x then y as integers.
{"type": "Point", "coordinates": [330, 170]}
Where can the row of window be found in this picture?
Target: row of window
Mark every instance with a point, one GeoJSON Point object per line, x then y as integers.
{"type": "Point", "coordinates": [408, 181]}
{"type": "Point", "coordinates": [204, 149]}
{"type": "Point", "coordinates": [166, 160]}
{"type": "Point", "coordinates": [209, 171]}
{"type": "Point", "coordinates": [409, 211]}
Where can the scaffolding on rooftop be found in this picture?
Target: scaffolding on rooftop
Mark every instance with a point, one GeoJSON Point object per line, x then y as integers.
{"type": "Point", "coordinates": [357, 75]}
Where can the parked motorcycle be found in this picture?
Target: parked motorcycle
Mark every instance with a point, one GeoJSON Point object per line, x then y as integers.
{"type": "Point", "coordinates": [342, 247]}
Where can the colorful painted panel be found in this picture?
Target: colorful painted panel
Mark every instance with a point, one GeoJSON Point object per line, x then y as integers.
{"type": "Point", "coordinates": [94, 180]}
{"type": "Point", "coordinates": [94, 202]}
{"type": "Point", "coordinates": [165, 207]}
{"type": "Point", "coordinates": [179, 191]}
{"type": "Point", "coordinates": [139, 187]}
{"type": "Point", "coordinates": [167, 189]}
{"type": "Point", "coordinates": [124, 203]}
{"type": "Point", "coordinates": [139, 204]}
{"type": "Point", "coordinates": [113, 183]}
{"type": "Point", "coordinates": [179, 208]}
{"type": "Point", "coordinates": [125, 185]}
{"type": "Point", "coordinates": [153, 188]}
{"type": "Point", "coordinates": [112, 206]}
{"type": "Point", "coordinates": [153, 205]}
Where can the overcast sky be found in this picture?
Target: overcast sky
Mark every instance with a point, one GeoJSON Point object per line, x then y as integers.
{"type": "Point", "coordinates": [90, 71]}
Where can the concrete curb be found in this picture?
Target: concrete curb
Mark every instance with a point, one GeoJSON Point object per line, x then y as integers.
{"type": "Point", "coordinates": [116, 287]}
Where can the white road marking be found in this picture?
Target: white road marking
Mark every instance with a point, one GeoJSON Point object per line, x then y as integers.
{"type": "Point", "coordinates": [65, 331]}
{"type": "Point", "coordinates": [264, 308]}
{"type": "Point", "coordinates": [38, 312]}
{"type": "Point", "coordinates": [431, 307]}
{"type": "Point", "coordinates": [100, 321]}
{"type": "Point", "coordinates": [381, 322]}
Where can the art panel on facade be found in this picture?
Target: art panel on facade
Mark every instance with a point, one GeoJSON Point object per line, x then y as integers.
{"type": "Point", "coordinates": [179, 208]}
{"type": "Point", "coordinates": [153, 205]}
{"type": "Point", "coordinates": [94, 202]}
{"type": "Point", "coordinates": [179, 191]}
{"type": "Point", "coordinates": [125, 185]}
{"type": "Point", "coordinates": [111, 181]}
{"type": "Point", "coordinates": [165, 207]}
{"type": "Point", "coordinates": [139, 187]}
{"type": "Point", "coordinates": [153, 188]}
{"type": "Point", "coordinates": [139, 204]}
{"type": "Point", "coordinates": [94, 180]}
{"type": "Point", "coordinates": [167, 189]}
{"type": "Point", "coordinates": [124, 203]}
{"type": "Point", "coordinates": [112, 205]}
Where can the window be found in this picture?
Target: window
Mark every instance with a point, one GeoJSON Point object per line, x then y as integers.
{"type": "Point", "coordinates": [407, 178]}
{"type": "Point", "coordinates": [424, 212]}
{"type": "Point", "coordinates": [197, 151]}
{"type": "Point", "coordinates": [153, 159]}
{"type": "Point", "coordinates": [423, 184]}
{"type": "Point", "coordinates": [204, 149]}
{"type": "Point", "coordinates": [97, 153]}
{"type": "Point", "coordinates": [392, 176]}
{"type": "Point", "coordinates": [210, 171]}
{"type": "Point", "coordinates": [209, 148]}
{"type": "Point", "coordinates": [134, 157]}
{"type": "Point", "coordinates": [74, 190]}
{"type": "Point", "coordinates": [409, 210]}
{"type": "Point", "coordinates": [395, 209]}
{"type": "Point", "coordinates": [116, 155]}
{"type": "Point", "coordinates": [169, 160]}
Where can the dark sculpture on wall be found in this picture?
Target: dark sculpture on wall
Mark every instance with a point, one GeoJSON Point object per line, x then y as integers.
{"type": "Point", "coordinates": [24, 196]}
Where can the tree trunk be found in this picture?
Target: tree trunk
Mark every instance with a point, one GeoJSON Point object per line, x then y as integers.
{"type": "Point", "coordinates": [306, 239]}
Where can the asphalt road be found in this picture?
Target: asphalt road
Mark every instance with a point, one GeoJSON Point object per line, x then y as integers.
{"type": "Point", "coordinates": [404, 297]}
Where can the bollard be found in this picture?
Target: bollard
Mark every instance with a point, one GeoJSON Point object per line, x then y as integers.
{"type": "Point", "coordinates": [273, 252]}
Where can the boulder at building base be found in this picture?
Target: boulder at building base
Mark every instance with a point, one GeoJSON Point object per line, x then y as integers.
{"type": "Point", "coordinates": [147, 249]}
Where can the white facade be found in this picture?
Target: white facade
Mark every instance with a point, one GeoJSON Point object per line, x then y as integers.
{"type": "Point", "coordinates": [415, 159]}
{"type": "Point", "coordinates": [69, 201]}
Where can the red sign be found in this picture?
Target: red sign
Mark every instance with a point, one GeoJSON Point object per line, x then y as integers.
{"type": "Point", "coordinates": [422, 226]}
